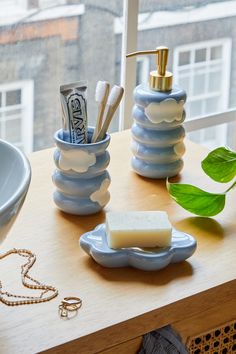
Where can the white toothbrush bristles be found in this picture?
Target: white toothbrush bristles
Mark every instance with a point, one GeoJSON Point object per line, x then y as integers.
{"type": "Point", "coordinates": [113, 102]}
{"type": "Point", "coordinates": [102, 90]}
{"type": "Point", "coordinates": [101, 95]}
{"type": "Point", "coordinates": [114, 95]}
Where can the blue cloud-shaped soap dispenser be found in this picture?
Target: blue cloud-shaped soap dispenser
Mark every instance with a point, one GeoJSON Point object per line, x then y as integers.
{"type": "Point", "coordinates": [157, 132]}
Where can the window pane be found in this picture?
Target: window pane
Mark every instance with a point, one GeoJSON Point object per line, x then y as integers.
{"type": "Point", "coordinates": [216, 52]}
{"type": "Point", "coordinates": [183, 71]}
{"type": "Point", "coordinates": [199, 84]}
{"type": "Point", "coordinates": [138, 72]}
{"type": "Point", "coordinates": [209, 133]}
{"type": "Point", "coordinates": [2, 116]}
{"type": "Point", "coordinates": [212, 104]}
{"type": "Point", "coordinates": [214, 80]}
{"type": "Point", "coordinates": [214, 137]}
{"type": "Point", "coordinates": [195, 108]}
{"type": "Point", "coordinates": [8, 2]}
{"type": "Point", "coordinates": [184, 82]}
{"type": "Point", "coordinates": [200, 55]}
{"type": "Point", "coordinates": [195, 136]}
{"type": "Point", "coordinates": [184, 58]}
{"type": "Point", "coordinates": [13, 97]}
{"type": "Point", "coordinates": [13, 131]}
{"type": "Point", "coordinates": [142, 70]}
{"type": "Point", "coordinates": [12, 113]}
{"type": "Point", "coordinates": [48, 3]}
{"type": "Point", "coordinates": [216, 67]}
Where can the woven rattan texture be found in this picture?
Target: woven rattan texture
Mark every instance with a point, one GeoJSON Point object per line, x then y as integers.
{"type": "Point", "coordinates": [221, 340]}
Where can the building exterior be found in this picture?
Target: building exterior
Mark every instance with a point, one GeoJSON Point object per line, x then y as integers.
{"type": "Point", "coordinates": [46, 43]}
{"type": "Point", "coordinates": [32, 66]}
{"type": "Point", "coordinates": [201, 38]}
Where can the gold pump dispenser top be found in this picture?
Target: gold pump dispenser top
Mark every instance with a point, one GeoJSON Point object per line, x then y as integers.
{"type": "Point", "coordinates": [160, 79]}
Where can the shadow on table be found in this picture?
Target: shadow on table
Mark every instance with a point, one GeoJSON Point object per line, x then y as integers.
{"type": "Point", "coordinates": [85, 223]}
{"type": "Point", "coordinates": [206, 226]}
{"type": "Point", "coordinates": [155, 278]}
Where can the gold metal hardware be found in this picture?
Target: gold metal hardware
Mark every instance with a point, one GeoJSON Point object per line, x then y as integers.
{"type": "Point", "coordinates": [69, 304]}
{"type": "Point", "coordinates": [160, 79]}
{"type": "Point", "coordinates": [15, 300]}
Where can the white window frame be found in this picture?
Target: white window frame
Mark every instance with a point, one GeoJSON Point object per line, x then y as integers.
{"type": "Point", "coordinates": [129, 44]}
{"type": "Point", "coordinates": [50, 3]}
{"type": "Point", "coordinates": [14, 4]}
{"type": "Point", "coordinates": [128, 67]}
{"type": "Point", "coordinates": [226, 44]}
{"type": "Point", "coordinates": [27, 105]}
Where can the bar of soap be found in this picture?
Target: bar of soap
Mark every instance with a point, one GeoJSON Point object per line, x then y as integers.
{"type": "Point", "coordinates": [138, 229]}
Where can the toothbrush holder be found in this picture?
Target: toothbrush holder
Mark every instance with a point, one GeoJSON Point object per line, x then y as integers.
{"type": "Point", "coordinates": [81, 178]}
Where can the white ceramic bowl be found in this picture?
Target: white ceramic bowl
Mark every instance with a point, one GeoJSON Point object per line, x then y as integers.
{"type": "Point", "coordinates": [15, 175]}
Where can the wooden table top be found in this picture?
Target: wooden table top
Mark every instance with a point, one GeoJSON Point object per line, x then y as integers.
{"type": "Point", "coordinates": [118, 304]}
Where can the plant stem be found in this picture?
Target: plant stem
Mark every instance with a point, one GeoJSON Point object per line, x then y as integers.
{"type": "Point", "coordinates": [231, 187]}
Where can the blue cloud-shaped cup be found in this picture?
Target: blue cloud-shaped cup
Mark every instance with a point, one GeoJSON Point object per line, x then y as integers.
{"type": "Point", "coordinates": [81, 178]}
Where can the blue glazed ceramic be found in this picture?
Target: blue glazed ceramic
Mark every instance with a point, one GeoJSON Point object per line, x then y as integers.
{"type": "Point", "coordinates": [15, 175]}
{"type": "Point", "coordinates": [94, 243]}
{"type": "Point", "coordinates": [157, 132]}
{"type": "Point", "coordinates": [81, 177]}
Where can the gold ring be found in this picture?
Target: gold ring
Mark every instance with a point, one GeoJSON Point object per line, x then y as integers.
{"type": "Point", "coordinates": [71, 307]}
{"type": "Point", "coordinates": [72, 300]}
{"type": "Point", "coordinates": [70, 303]}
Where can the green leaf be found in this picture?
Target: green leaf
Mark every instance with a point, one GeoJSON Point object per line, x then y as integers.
{"type": "Point", "coordinates": [220, 165]}
{"type": "Point", "coordinates": [196, 200]}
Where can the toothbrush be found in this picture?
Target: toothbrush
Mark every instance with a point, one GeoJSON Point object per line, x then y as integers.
{"type": "Point", "coordinates": [113, 102]}
{"type": "Point", "coordinates": [101, 95]}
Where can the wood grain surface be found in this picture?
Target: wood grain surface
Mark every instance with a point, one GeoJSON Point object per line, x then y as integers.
{"type": "Point", "coordinates": [119, 305]}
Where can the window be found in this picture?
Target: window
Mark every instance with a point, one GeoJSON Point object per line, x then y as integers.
{"type": "Point", "coordinates": [203, 70]}
{"type": "Point", "coordinates": [53, 42]}
{"type": "Point", "coordinates": [16, 114]}
{"type": "Point", "coordinates": [24, 4]}
{"type": "Point", "coordinates": [49, 3]}
{"type": "Point", "coordinates": [13, 5]}
{"type": "Point", "coordinates": [186, 24]}
{"type": "Point", "coordinates": [12, 2]}
{"type": "Point", "coordinates": [142, 70]}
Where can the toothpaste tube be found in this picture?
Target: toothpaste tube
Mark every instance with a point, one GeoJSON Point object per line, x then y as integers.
{"type": "Point", "coordinates": [74, 112]}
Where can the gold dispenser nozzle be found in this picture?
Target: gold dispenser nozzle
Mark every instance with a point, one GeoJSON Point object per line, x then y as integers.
{"type": "Point", "coordinates": [160, 79]}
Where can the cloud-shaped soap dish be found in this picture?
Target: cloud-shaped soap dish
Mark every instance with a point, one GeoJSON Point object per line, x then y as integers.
{"type": "Point", "coordinates": [94, 243]}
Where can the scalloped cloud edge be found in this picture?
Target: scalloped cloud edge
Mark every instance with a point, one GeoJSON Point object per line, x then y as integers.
{"type": "Point", "coordinates": [94, 244]}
